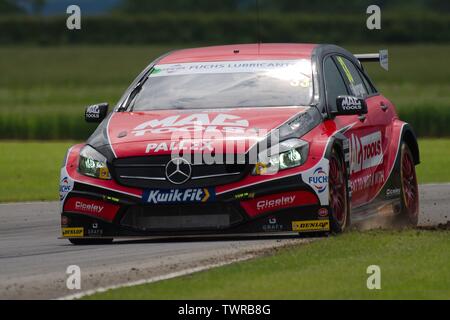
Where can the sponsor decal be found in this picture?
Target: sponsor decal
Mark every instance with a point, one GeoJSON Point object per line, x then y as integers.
{"type": "Point", "coordinates": [191, 195]}
{"type": "Point", "coordinates": [392, 193]}
{"type": "Point", "coordinates": [96, 208]}
{"type": "Point", "coordinates": [319, 180]}
{"type": "Point", "coordinates": [91, 208]}
{"type": "Point", "coordinates": [73, 232]}
{"type": "Point", "coordinates": [260, 205]}
{"type": "Point", "coordinates": [351, 103]}
{"type": "Point", "coordinates": [275, 203]}
{"type": "Point", "coordinates": [93, 112]}
{"type": "Point", "coordinates": [179, 146]}
{"type": "Point", "coordinates": [384, 59]}
{"type": "Point", "coordinates": [96, 112]}
{"type": "Point", "coordinates": [283, 67]}
{"type": "Point", "coordinates": [365, 152]}
{"type": "Point", "coordinates": [311, 225]}
{"type": "Point", "coordinates": [112, 199]}
{"type": "Point", "coordinates": [367, 181]}
{"type": "Point", "coordinates": [244, 195]}
{"type": "Point", "coordinates": [322, 212]}
{"type": "Point", "coordinates": [65, 185]}
{"type": "Point", "coordinates": [193, 122]}
{"type": "Point", "coordinates": [95, 231]}
{"type": "Point", "coordinates": [272, 225]}
{"type": "Point", "coordinates": [64, 221]}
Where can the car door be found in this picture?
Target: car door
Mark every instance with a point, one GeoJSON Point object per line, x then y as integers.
{"type": "Point", "coordinates": [335, 85]}
{"type": "Point", "coordinates": [368, 144]}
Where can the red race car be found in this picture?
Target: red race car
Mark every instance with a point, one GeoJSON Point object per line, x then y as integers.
{"type": "Point", "coordinates": [258, 138]}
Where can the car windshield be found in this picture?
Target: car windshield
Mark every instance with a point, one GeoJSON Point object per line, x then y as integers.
{"type": "Point", "coordinates": [230, 84]}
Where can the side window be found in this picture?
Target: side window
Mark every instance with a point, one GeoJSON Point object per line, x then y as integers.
{"type": "Point", "coordinates": [367, 82]}
{"type": "Point", "coordinates": [334, 83]}
{"type": "Point", "coordinates": [353, 77]}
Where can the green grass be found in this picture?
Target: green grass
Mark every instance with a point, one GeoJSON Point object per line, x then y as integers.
{"type": "Point", "coordinates": [65, 79]}
{"type": "Point", "coordinates": [30, 170]}
{"type": "Point", "coordinates": [435, 161]}
{"type": "Point", "coordinates": [414, 265]}
{"type": "Point", "coordinates": [43, 90]}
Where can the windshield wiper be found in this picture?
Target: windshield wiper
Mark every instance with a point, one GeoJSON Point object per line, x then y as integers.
{"type": "Point", "coordinates": [134, 92]}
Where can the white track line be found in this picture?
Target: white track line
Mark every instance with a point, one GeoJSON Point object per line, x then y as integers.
{"type": "Point", "coordinates": [155, 279]}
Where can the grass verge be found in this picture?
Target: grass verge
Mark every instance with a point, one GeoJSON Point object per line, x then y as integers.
{"type": "Point", "coordinates": [30, 170]}
{"type": "Point", "coordinates": [414, 265]}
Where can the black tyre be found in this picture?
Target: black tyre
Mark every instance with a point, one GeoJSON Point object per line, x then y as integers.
{"type": "Point", "coordinates": [339, 198]}
{"type": "Point", "coordinates": [409, 188]}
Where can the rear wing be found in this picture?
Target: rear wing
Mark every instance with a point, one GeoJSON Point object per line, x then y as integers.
{"type": "Point", "coordinates": [382, 57]}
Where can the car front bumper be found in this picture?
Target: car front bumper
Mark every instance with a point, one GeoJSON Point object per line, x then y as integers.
{"type": "Point", "coordinates": [282, 206]}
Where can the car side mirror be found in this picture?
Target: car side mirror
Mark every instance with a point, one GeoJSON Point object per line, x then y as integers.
{"type": "Point", "coordinates": [96, 113]}
{"type": "Point", "coordinates": [349, 105]}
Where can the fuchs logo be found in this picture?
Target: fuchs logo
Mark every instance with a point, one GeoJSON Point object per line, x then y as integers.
{"type": "Point", "coordinates": [366, 152]}
{"type": "Point", "coordinates": [65, 187]}
{"type": "Point", "coordinates": [319, 180]}
{"type": "Point", "coordinates": [351, 103]}
{"type": "Point", "coordinates": [194, 122]}
{"type": "Point", "coordinates": [159, 196]}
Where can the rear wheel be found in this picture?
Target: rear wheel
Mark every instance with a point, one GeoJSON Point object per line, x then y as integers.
{"type": "Point", "coordinates": [409, 187]}
{"type": "Point", "coordinates": [338, 193]}
{"type": "Point", "coordinates": [85, 242]}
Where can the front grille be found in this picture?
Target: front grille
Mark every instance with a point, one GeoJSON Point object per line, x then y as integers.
{"type": "Point", "coordinates": [215, 216]}
{"type": "Point", "coordinates": [150, 172]}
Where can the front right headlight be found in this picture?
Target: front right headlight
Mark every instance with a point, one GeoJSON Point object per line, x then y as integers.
{"type": "Point", "coordinates": [286, 155]}
{"type": "Point", "coordinates": [93, 164]}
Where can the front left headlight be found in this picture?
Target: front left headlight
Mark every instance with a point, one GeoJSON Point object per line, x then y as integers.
{"type": "Point", "coordinates": [286, 155]}
{"type": "Point", "coordinates": [93, 164]}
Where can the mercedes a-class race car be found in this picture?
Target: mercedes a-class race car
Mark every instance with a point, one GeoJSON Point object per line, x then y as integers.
{"type": "Point", "coordinates": [258, 138]}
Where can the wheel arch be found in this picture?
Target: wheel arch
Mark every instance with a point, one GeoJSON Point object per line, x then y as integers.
{"type": "Point", "coordinates": [409, 137]}
{"type": "Point", "coordinates": [340, 143]}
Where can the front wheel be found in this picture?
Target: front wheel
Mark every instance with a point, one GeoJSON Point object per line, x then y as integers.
{"type": "Point", "coordinates": [85, 242]}
{"type": "Point", "coordinates": [409, 187]}
{"type": "Point", "coordinates": [339, 203]}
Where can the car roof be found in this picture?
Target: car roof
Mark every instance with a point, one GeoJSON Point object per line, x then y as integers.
{"type": "Point", "coordinates": [237, 52]}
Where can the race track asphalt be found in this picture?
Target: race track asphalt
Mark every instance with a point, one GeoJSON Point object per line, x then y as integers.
{"type": "Point", "coordinates": [33, 262]}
